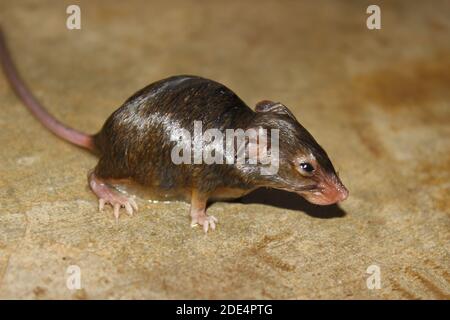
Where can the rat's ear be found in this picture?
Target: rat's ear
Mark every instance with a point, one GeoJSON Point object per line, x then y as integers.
{"type": "Point", "coordinates": [273, 107]}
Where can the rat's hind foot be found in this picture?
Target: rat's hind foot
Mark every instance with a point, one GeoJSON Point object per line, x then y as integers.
{"type": "Point", "coordinates": [107, 194]}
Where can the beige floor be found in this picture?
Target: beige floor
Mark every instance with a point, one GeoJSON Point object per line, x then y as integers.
{"type": "Point", "coordinates": [378, 101]}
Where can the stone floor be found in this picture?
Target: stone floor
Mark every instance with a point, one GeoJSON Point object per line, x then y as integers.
{"type": "Point", "coordinates": [377, 100]}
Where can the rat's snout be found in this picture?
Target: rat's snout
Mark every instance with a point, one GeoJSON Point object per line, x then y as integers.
{"type": "Point", "coordinates": [333, 190]}
{"type": "Point", "coordinates": [341, 192]}
{"type": "Point", "coordinates": [329, 191]}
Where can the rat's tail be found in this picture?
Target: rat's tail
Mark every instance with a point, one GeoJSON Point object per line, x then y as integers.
{"type": "Point", "coordinates": [76, 137]}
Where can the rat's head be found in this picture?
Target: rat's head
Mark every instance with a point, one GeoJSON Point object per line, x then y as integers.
{"type": "Point", "coordinates": [304, 167]}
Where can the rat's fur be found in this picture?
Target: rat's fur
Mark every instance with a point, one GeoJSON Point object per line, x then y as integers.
{"type": "Point", "coordinates": [135, 140]}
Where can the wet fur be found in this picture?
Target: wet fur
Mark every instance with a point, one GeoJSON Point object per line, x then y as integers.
{"type": "Point", "coordinates": [135, 140]}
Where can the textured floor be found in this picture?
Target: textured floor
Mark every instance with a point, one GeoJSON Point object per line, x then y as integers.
{"type": "Point", "coordinates": [378, 101]}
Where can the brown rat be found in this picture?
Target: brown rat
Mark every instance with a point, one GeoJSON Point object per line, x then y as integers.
{"type": "Point", "coordinates": [135, 145]}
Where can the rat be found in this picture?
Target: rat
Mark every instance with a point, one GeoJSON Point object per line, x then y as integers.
{"type": "Point", "coordinates": [134, 146]}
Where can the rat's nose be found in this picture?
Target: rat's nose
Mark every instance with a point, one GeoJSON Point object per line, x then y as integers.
{"type": "Point", "coordinates": [343, 193]}
{"type": "Point", "coordinates": [332, 193]}
{"type": "Point", "coordinates": [337, 191]}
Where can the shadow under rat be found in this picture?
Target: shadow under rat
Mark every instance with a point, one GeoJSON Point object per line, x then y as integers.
{"type": "Point", "coordinates": [291, 201]}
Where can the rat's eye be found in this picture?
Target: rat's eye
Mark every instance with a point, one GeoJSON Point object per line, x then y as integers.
{"type": "Point", "coordinates": [306, 168]}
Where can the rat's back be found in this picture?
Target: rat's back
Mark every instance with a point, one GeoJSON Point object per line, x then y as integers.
{"type": "Point", "coordinates": [177, 102]}
{"type": "Point", "coordinates": [191, 98]}
{"type": "Point", "coordinates": [135, 140]}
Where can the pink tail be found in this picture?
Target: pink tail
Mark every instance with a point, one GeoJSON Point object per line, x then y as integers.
{"type": "Point", "coordinates": [76, 137]}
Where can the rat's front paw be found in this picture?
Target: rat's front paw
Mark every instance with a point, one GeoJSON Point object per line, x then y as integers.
{"type": "Point", "coordinates": [205, 221]}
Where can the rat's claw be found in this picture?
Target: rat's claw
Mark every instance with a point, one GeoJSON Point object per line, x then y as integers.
{"type": "Point", "coordinates": [101, 204]}
{"type": "Point", "coordinates": [133, 204]}
{"type": "Point", "coordinates": [129, 208]}
{"type": "Point", "coordinates": [194, 223]}
{"type": "Point", "coordinates": [116, 211]}
{"type": "Point", "coordinates": [209, 221]}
